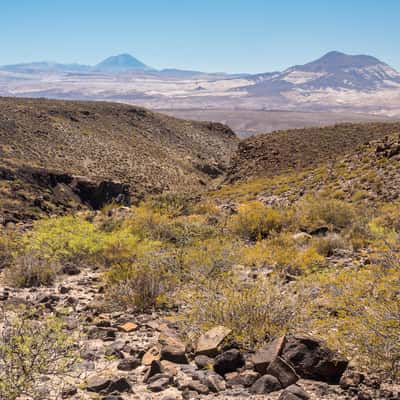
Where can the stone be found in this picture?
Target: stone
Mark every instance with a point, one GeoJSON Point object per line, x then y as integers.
{"type": "Point", "coordinates": [214, 382]}
{"type": "Point", "coordinates": [154, 369]}
{"type": "Point", "coordinates": [319, 231]}
{"type": "Point", "coordinates": [245, 378]}
{"type": "Point", "coordinates": [71, 269]}
{"type": "Point", "coordinates": [285, 395]}
{"type": "Point", "coordinates": [364, 395]}
{"type": "Point", "coordinates": [312, 359]}
{"type": "Point", "coordinates": [351, 379]}
{"type": "Point", "coordinates": [172, 349]}
{"type": "Point", "coordinates": [266, 384]}
{"type": "Point", "coordinates": [128, 364]}
{"type": "Point", "coordinates": [152, 354]}
{"type": "Point", "coordinates": [297, 391]}
{"type": "Point", "coordinates": [208, 343]}
{"type": "Point", "coordinates": [108, 335]}
{"type": "Point", "coordinates": [198, 387]}
{"type": "Point", "coordinates": [283, 371]}
{"type": "Point", "coordinates": [159, 385]}
{"type": "Point", "coordinates": [106, 385]}
{"type": "Point", "coordinates": [69, 391]}
{"type": "Point", "coordinates": [262, 358]}
{"type": "Point", "coordinates": [112, 398]}
{"type": "Point", "coordinates": [128, 327]}
{"type": "Point", "coordinates": [157, 377]}
{"type": "Point", "coordinates": [169, 367]}
{"type": "Point", "coordinates": [97, 383]}
{"type": "Point", "coordinates": [174, 353]}
{"type": "Point", "coordinates": [228, 361]}
{"type": "Point", "coordinates": [203, 362]}
{"type": "Point", "coordinates": [119, 385]}
{"type": "Point", "coordinates": [63, 289]}
{"type": "Point", "coordinates": [301, 238]}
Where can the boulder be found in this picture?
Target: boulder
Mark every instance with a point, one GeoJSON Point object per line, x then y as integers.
{"type": "Point", "coordinates": [214, 382]}
{"type": "Point", "coordinates": [245, 378]}
{"type": "Point", "coordinates": [174, 353]}
{"type": "Point", "coordinates": [154, 369]}
{"type": "Point", "coordinates": [172, 349]}
{"type": "Point", "coordinates": [98, 383]}
{"type": "Point", "coordinates": [159, 384]}
{"type": "Point", "coordinates": [294, 392]}
{"type": "Point", "coordinates": [262, 358]}
{"type": "Point", "coordinates": [119, 385]}
{"type": "Point", "coordinates": [106, 385]}
{"type": "Point", "coordinates": [152, 354]}
{"type": "Point", "coordinates": [265, 384]}
{"type": "Point", "coordinates": [198, 387]}
{"type": "Point", "coordinates": [312, 359]}
{"type": "Point", "coordinates": [228, 361]}
{"type": "Point", "coordinates": [203, 362]}
{"type": "Point", "coordinates": [283, 371]}
{"type": "Point", "coordinates": [208, 343]}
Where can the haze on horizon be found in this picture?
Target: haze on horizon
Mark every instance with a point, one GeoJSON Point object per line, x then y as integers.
{"type": "Point", "coordinates": [242, 36]}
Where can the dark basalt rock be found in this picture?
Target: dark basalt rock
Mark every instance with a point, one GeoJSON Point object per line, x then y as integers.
{"type": "Point", "coordinates": [229, 361]}
{"type": "Point", "coordinates": [312, 359]}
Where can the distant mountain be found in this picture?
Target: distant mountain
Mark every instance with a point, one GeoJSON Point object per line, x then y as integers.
{"type": "Point", "coordinates": [336, 82]}
{"type": "Point", "coordinates": [334, 70]}
{"type": "Point", "coordinates": [121, 63]}
{"type": "Point", "coordinates": [44, 66]}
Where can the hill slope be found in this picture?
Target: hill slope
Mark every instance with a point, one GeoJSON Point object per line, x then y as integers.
{"type": "Point", "coordinates": [298, 149]}
{"type": "Point", "coordinates": [103, 141]}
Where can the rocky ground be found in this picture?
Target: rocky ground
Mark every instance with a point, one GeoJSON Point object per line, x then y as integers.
{"type": "Point", "coordinates": [124, 355]}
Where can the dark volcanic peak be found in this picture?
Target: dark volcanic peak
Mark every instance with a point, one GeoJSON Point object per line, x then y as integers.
{"type": "Point", "coordinates": [122, 62]}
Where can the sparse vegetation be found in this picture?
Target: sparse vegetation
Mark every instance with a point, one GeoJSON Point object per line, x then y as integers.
{"type": "Point", "coordinates": [300, 252]}
{"type": "Point", "coordinates": [255, 311]}
{"type": "Point", "coordinates": [31, 352]}
{"type": "Point", "coordinates": [31, 270]}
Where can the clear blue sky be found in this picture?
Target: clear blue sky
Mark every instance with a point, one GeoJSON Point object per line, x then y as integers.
{"type": "Point", "coordinates": [209, 35]}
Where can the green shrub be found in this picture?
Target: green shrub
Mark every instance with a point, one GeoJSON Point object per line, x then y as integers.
{"type": "Point", "coordinates": [143, 285]}
{"type": "Point", "coordinates": [73, 239]}
{"type": "Point", "coordinates": [358, 312]}
{"type": "Point", "coordinates": [255, 221]}
{"type": "Point", "coordinates": [256, 312]}
{"type": "Point", "coordinates": [6, 246]}
{"type": "Point", "coordinates": [327, 245]}
{"type": "Point", "coordinates": [336, 214]}
{"type": "Point", "coordinates": [67, 238]}
{"type": "Point", "coordinates": [206, 259]}
{"type": "Point", "coordinates": [31, 270]}
{"type": "Point", "coordinates": [31, 352]}
{"type": "Point", "coordinates": [282, 254]}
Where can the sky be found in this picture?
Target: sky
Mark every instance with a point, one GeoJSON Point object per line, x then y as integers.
{"type": "Point", "coordinates": [206, 35]}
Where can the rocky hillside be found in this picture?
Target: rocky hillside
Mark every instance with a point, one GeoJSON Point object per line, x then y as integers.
{"type": "Point", "coordinates": [299, 149]}
{"type": "Point", "coordinates": [277, 287]}
{"type": "Point", "coordinates": [45, 145]}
